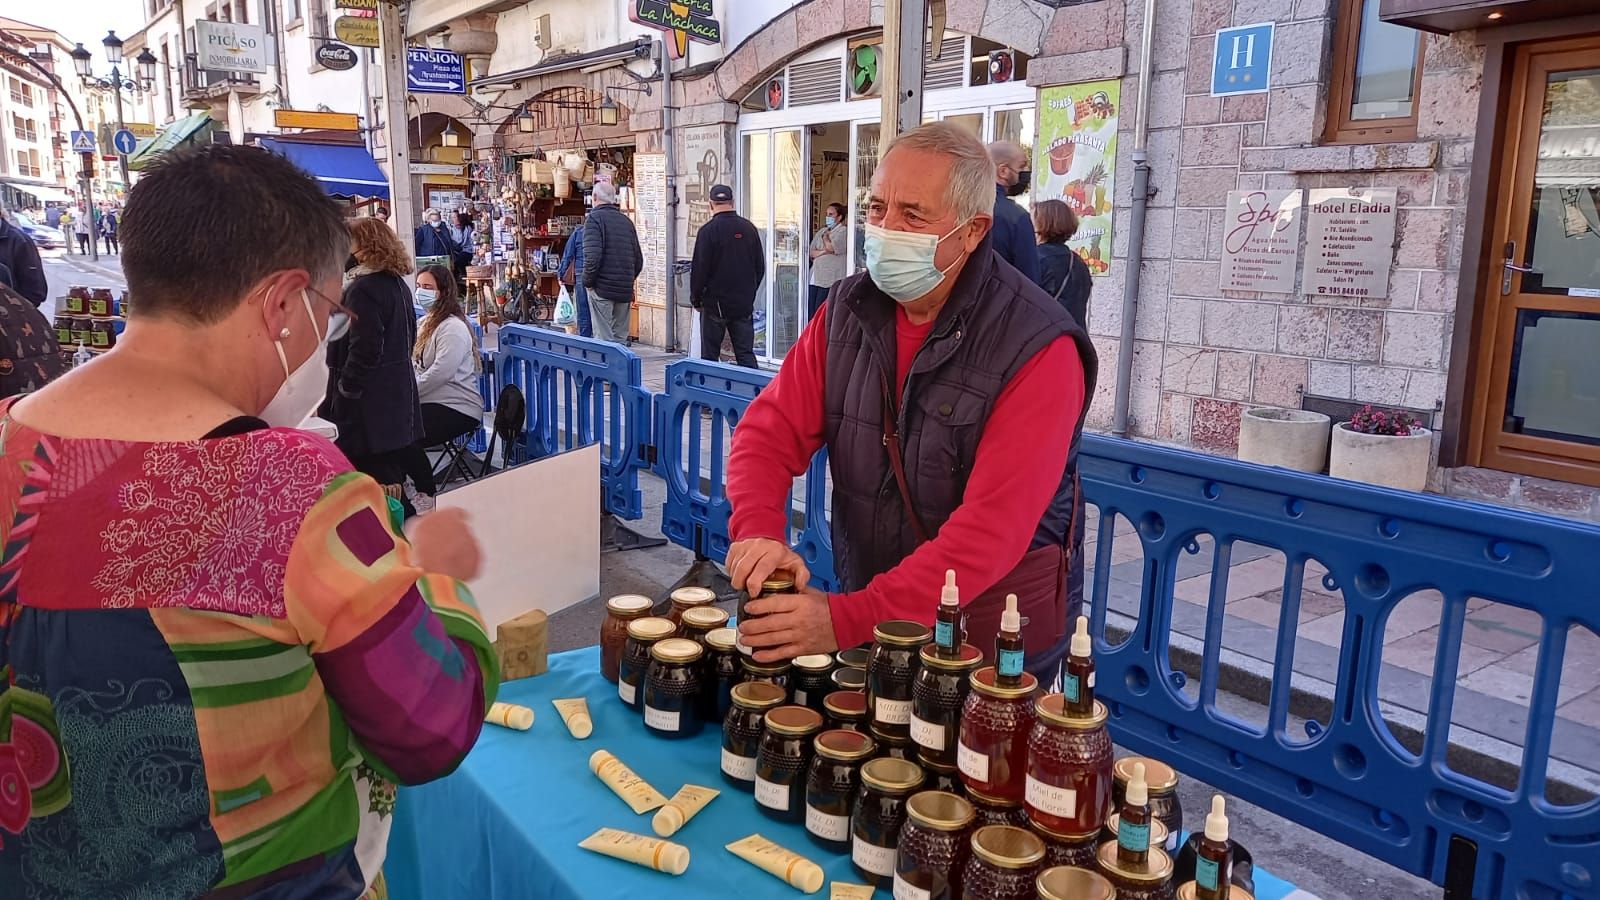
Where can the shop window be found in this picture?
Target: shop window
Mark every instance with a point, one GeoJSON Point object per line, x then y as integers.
{"type": "Point", "coordinates": [1376, 77]}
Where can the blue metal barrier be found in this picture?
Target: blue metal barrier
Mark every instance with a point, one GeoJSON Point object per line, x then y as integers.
{"type": "Point", "coordinates": [694, 465]}
{"type": "Point", "coordinates": [581, 391]}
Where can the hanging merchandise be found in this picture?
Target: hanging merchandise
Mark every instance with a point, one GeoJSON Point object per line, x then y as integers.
{"type": "Point", "coordinates": [563, 183]}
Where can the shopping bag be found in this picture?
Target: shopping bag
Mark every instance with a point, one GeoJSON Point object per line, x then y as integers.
{"type": "Point", "coordinates": [566, 310]}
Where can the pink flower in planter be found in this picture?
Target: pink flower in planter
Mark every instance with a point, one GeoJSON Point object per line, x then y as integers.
{"type": "Point", "coordinates": [1397, 423]}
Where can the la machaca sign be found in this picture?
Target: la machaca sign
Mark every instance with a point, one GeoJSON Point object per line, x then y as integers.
{"type": "Point", "coordinates": [683, 20]}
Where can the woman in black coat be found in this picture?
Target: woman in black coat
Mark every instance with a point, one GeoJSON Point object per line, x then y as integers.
{"type": "Point", "coordinates": [372, 387]}
{"type": "Point", "coordinates": [1062, 273]}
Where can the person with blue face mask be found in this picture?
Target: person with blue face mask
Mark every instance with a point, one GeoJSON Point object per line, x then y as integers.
{"type": "Point", "coordinates": [949, 391]}
{"type": "Point", "coordinates": [827, 256]}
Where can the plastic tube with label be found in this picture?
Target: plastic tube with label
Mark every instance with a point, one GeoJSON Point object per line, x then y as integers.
{"type": "Point", "coordinates": [633, 790]}
{"type": "Point", "coordinates": [510, 715]}
{"type": "Point", "coordinates": [690, 799]}
{"type": "Point", "coordinates": [839, 890]}
{"type": "Point", "coordinates": [639, 849]}
{"type": "Point", "coordinates": [574, 712]}
{"type": "Point", "coordinates": [797, 871]}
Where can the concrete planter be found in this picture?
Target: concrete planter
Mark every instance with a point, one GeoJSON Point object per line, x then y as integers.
{"type": "Point", "coordinates": [1391, 461]}
{"type": "Point", "coordinates": [1292, 438]}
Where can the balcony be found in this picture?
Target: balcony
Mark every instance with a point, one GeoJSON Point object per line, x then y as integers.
{"type": "Point", "coordinates": [206, 90]}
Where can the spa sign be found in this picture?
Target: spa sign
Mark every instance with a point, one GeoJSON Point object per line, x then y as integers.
{"type": "Point", "coordinates": [1261, 241]}
{"type": "Point", "coordinates": [683, 20]}
{"type": "Point", "coordinates": [1074, 161]}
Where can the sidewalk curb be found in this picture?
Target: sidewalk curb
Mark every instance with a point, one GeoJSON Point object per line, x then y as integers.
{"type": "Point", "coordinates": [77, 261]}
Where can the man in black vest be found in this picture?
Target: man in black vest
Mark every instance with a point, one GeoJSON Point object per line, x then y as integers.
{"type": "Point", "coordinates": [949, 391]}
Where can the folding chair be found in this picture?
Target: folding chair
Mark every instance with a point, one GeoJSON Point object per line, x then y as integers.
{"type": "Point", "coordinates": [454, 456]}
{"type": "Point", "coordinates": [510, 418]}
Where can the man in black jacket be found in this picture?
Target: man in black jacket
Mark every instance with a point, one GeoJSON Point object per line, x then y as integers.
{"type": "Point", "coordinates": [611, 261]}
{"type": "Point", "coordinates": [21, 257]}
{"type": "Point", "coordinates": [729, 265]}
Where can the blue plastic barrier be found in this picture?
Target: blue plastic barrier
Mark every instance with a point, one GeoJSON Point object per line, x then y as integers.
{"type": "Point", "coordinates": [581, 391]}
{"type": "Point", "coordinates": [696, 511]}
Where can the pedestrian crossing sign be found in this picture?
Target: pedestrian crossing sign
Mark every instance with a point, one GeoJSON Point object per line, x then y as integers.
{"type": "Point", "coordinates": [83, 142]}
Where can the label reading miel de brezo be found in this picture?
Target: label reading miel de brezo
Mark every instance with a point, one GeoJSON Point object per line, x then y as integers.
{"type": "Point", "coordinates": [927, 734]}
{"type": "Point", "coordinates": [772, 796]}
{"type": "Point", "coordinates": [891, 712]}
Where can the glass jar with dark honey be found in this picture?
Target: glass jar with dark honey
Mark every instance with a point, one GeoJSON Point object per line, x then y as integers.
{"type": "Point", "coordinates": [997, 810]}
{"type": "Point", "coordinates": [879, 815]}
{"type": "Point", "coordinates": [1068, 786]}
{"type": "Point", "coordinates": [1165, 806]}
{"type": "Point", "coordinates": [701, 621]}
{"type": "Point", "coordinates": [1189, 890]}
{"type": "Point", "coordinates": [778, 583]}
{"type": "Point", "coordinates": [846, 710]}
{"type": "Point", "coordinates": [63, 325]}
{"type": "Point", "coordinates": [1149, 880]}
{"type": "Point", "coordinates": [672, 688]}
{"type": "Point", "coordinates": [722, 671]}
{"type": "Point", "coordinates": [778, 673]}
{"type": "Point", "coordinates": [854, 658]}
{"type": "Point", "coordinates": [933, 845]}
{"type": "Point", "coordinates": [690, 597]}
{"type": "Point", "coordinates": [620, 610]}
{"type": "Point", "coordinates": [741, 730]}
{"type": "Point", "coordinates": [100, 302]}
{"type": "Point", "coordinates": [1067, 882]}
{"type": "Point", "coordinates": [895, 747]}
{"type": "Point", "coordinates": [832, 785]}
{"type": "Point", "coordinates": [1068, 849]}
{"type": "Point", "coordinates": [642, 635]}
{"type": "Point", "coordinates": [810, 679]}
{"type": "Point", "coordinates": [848, 679]}
{"type": "Point", "coordinates": [784, 758]}
{"type": "Point", "coordinates": [943, 778]}
{"type": "Point", "coordinates": [995, 724]}
{"type": "Point", "coordinates": [76, 303]}
{"type": "Point", "coordinates": [937, 695]}
{"type": "Point", "coordinates": [891, 672]}
{"type": "Point", "coordinates": [1004, 864]}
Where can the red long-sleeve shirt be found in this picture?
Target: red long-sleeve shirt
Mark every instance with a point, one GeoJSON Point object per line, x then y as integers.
{"type": "Point", "coordinates": [1020, 458]}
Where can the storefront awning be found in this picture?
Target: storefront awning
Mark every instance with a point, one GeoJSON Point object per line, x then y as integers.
{"type": "Point", "coordinates": [44, 193]}
{"type": "Point", "coordinates": [167, 139]}
{"type": "Point", "coordinates": [1448, 16]}
{"type": "Point", "coordinates": [343, 170]}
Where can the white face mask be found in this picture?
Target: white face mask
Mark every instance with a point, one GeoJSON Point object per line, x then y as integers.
{"type": "Point", "coordinates": [302, 390]}
{"type": "Point", "coordinates": [901, 263]}
{"type": "Point", "coordinates": [426, 297]}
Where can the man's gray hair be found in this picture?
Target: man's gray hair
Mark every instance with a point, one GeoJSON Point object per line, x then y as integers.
{"type": "Point", "coordinates": [970, 190]}
{"type": "Point", "coordinates": [605, 192]}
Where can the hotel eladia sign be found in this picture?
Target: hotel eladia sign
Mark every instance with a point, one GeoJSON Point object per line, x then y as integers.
{"type": "Point", "coordinates": [231, 47]}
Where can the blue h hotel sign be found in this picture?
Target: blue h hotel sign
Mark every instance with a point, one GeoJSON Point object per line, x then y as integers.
{"type": "Point", "coordinates": [1242, 61]}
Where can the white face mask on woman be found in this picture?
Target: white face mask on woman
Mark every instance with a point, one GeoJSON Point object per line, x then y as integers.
{"type": "Point", "coordinates": [303, 389]}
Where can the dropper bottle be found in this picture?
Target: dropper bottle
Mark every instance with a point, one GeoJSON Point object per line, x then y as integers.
{"type": "Point", "coordinates": [947, 634]}
{"type": "Point", "coordinates": [1133, 821]}
{"type": "Point", "coordinates": [1008, 646]}
{"type": "Point", "coordinates": [1213, 867]}
{"type": "Point", "coordinates": [1078, 685]}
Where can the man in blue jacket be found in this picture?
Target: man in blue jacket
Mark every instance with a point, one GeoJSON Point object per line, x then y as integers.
{"type": "Point", "coordinates": [1013, 229]}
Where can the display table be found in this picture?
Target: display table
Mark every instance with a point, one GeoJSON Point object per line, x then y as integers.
{"type": "Point", "coordinates": [508, 822]}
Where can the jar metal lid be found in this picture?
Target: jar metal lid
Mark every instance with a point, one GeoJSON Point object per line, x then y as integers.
{"type": "Point", "coordinates": [1189, 890]}
{"type": "Point", "coordinates": [693, 596]}
{"type": "Point", "coordinates": [983, 681]}
{"type": "Point", "coordinates": [778, 583]}
{"type": "Point", "coordinates": [1090, 837]}
{"type": "Point", "coordinates": [967, 657]}
{"type": "Point", "coordinates": [796, 721]}
{"type": "Point", "coordinates": [1161, 777]}
{"type": "Point", "coordinates": [815, 662]}
{"type": "Point", "coordinates": [722, 638]}
{"type": "Point", "coordinates": [651, 629]}
{"type": "Point", "coordinates": [1053, 709]}
{"type": "Point", "coordinates": [628, 606]}
{"type": "Point", "coordinates": [755, 668]}
{"type": "Point", "coordinates": [846, 746]}
{"type": "Point", "coordinates": [850, 679]}
{"type": "Point", "coordinates": [1156, 868]}
{"type": "Point", "coordinates": [1007, 846]}
{"type": "Point", "coordinates": [705, 617]}
{"type": "Point", "coordinates": [983, 799]}
{"type": "Point", "coordinates": [854, 658]}
{"type": "Point", "coordinates": [902, 633]}
{"type": "Point", "coordinates": [846, 704]}
{"type": "Point", "coordinates": [1158, 829]}
{"type": "Point", "coordinates": [940, 810]}
{"type": "Point", "coordinates": [896, 776]}
{"type": "Point", "coordinates": [757, 695]}
{"type": "Point", "coordinates": [1073, 883]}
{"type": "Point", "coordinates": [890, 740]}
{"type": "Point", "coordinates": [675, 650]}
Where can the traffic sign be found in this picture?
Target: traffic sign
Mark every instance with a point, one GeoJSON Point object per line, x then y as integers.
{"type": "Point", "coordinates": [124, 141]}
{"type": "Point", "coordinates": [430, 71]}
{"type": "Point", "coordinates": [83, 142]}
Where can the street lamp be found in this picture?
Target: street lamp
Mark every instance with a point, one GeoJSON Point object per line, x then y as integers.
{"type": "Point", "coordinates": [113, 48]}
{"type": "Point", "coordinates": [82, 60]}
{"type": "Point", "coordinates": [449, 137]}
{"type": "Point", "coordinates": [147, 67]}
{"type": "Point", "coordinates": [609, 111]}
{"type": "Point", "coordinates": [525, 121]}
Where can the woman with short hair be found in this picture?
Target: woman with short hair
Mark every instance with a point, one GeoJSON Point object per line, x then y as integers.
{"type": "Point", "coordinates": [1062, 272]}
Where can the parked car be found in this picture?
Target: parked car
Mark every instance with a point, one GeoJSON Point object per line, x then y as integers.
{"type": "Point", "coordinates": [44, 237]}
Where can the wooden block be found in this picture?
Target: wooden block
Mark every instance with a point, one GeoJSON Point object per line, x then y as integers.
{"type": "Point", "coordinates": [521, 646]}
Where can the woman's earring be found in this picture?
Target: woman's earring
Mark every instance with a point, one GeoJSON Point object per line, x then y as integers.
{"type": "Point", "coordinates": [283, 334]}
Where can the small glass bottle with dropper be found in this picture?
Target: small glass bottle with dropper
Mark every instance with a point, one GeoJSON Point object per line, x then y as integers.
{"type": "Point", "coordinates": [1213, 867]}
{"type": "Point", "coordinates": [1078, 683]}
{"type": "Point", "coordinates": [1008, 646]}
{"type": "Point", "coordinates": [1133, 821]}
{"type": "Point", "coordinates": [947, 634]}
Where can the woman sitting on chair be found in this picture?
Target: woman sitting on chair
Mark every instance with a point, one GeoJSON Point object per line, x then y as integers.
{"type": "Point", "coordinates": [446, 358]}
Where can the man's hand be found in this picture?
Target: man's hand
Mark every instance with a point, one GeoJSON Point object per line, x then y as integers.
{"type": "Point", "coordinates": [752, 561]}
{"type": "Point", "coordinates": [442, 542]}
{"type": "Point", "coordinates": [784, 626]}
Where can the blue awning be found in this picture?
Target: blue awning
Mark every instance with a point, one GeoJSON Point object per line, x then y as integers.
{"type": "Point", "coordinates": [343, 170]}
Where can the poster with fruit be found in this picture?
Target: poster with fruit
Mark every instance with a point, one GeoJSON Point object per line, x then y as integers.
{"type": "Point", "coordinates": [1075, 161]}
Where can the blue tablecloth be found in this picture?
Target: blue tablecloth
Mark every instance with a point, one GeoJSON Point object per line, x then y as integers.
{"type": "Point", "coordinates": [507, 824]}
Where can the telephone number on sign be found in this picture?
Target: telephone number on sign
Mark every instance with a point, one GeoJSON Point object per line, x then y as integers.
{"type": "Point", "coordinates": [1343, 291]}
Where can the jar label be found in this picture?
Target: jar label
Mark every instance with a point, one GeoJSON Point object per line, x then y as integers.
{"type": "Point", "coordinates": [944, 635]}
{"type": "Point", "coordinates": [1009, 665]}
{"type": "Point", "coordinates": [772, 796]}
{"type": "Point", "coordinates": [741, 767]}
{"type": "Point", "coordinates": [1091, 681]}
{"type": "Point", "coordinates": [871, 857]}
{"type": "Point", "coordinates": [829, 828]}
{"type": "Point", "coordinates": [1047, 798]}
{"type": "Point", "coordinates": [927, 734]}
{"type": "Point", "coordinates": [905, 890]}
{"type": "Point", "coordinates": [799, 697]}
{"type": "Point", "coordinates": [627, 691]}
{"type": "Point", "coordinates": [1069, 688]}
{"type": "Point", "coordinates": [1134, 837]}
{"type": "Point", "coordinates": [660, 719]}
{"type": "Point", "coordinates": [972, 764]}
{"type": "Point", "coordinates": [1205, 873]}
{"type": "Point", "coordinates": [891, 712]}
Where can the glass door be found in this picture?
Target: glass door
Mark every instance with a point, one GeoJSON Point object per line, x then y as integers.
{"type": "Point", "coordinates": [756, 205]}
{"type": "Point", "coordinates": [863, 162]}
{"type": "Point", "coordinates": [1541, 412]}
{"type": "Point", "coordinates": [791, 184]}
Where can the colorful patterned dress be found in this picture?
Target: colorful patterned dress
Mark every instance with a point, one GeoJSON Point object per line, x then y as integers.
{"type": "Point", "coordinates": [216, 659]}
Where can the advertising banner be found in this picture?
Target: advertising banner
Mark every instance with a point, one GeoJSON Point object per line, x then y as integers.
{"type": "Point", "coordinates": [1075, 160]}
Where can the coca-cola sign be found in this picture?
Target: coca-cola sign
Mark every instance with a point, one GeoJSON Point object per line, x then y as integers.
{"type": "Point", "coordinates": [336, 56]}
